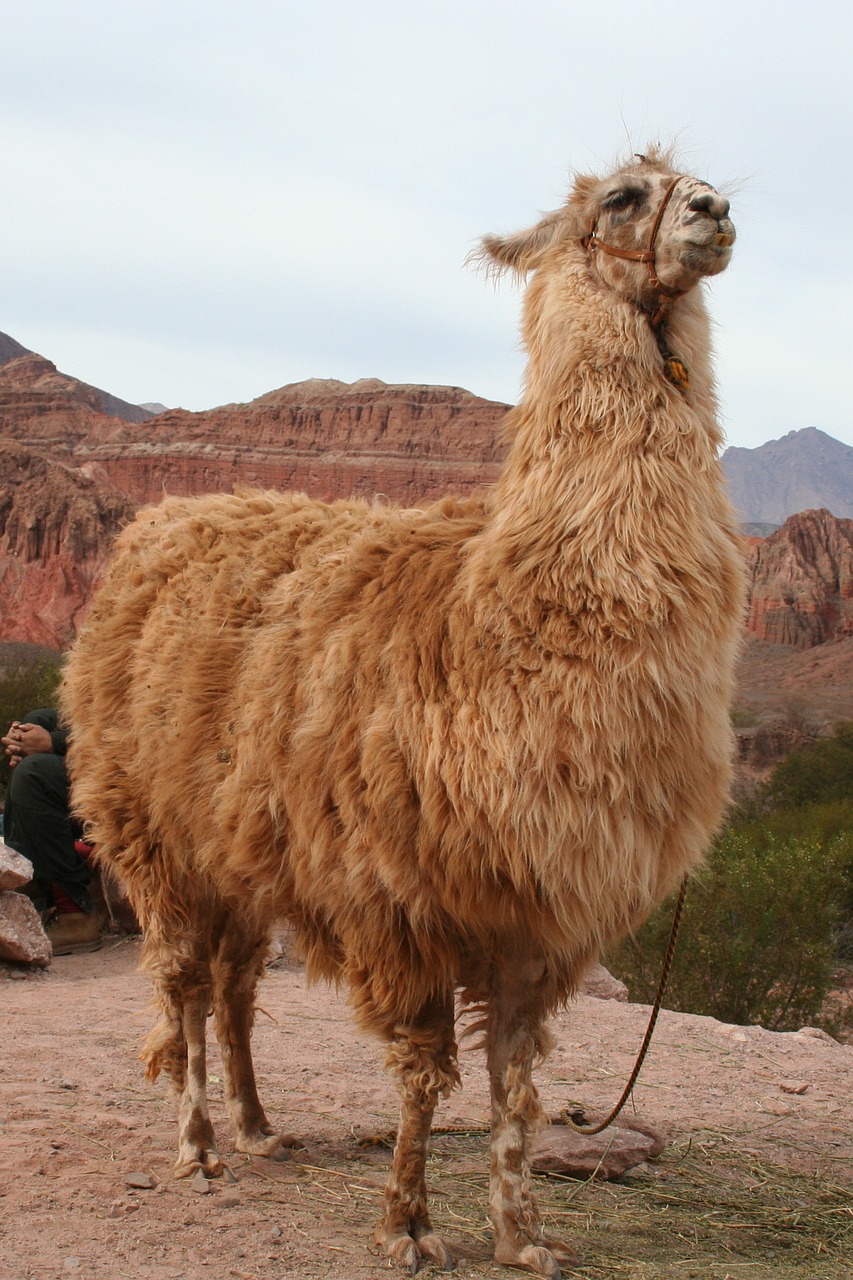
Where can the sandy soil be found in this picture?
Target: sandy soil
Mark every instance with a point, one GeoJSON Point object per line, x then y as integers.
{"type": "Point", "coordinates": [77, 1118]}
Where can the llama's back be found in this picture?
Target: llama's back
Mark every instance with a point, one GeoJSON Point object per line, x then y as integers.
{"type": "Point", "coordinates": [157, 678]}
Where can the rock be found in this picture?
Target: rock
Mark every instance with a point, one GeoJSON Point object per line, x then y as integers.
{"type": "Point", "coordinates": [816, 1033]}
{"type": "Point", "coordinates": [141, 1181]}
{"type": "Point", "coordinates": [802, 582]}
{"type": "Point", "coordinates": [599, 982]}
{"type": "Point", "coordinates": [560, 1149]}
{"type": "Point", "coordinates": [56, 532]}
{"type": "Point", "coordinates": [793, 1086]}
{"type": "Point", "coordinates": [15, 869]}
{"type": "Point", "coordinates": [199, 1183]}
{"type": "Point", "coordinates": [22, 937]}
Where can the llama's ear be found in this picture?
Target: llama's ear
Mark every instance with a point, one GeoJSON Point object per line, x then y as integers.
{"type": "Point", "coordinates": [522, 252]}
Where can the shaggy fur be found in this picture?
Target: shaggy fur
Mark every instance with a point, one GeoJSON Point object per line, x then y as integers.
{"type": "Point", "coordinates": [459, 747]}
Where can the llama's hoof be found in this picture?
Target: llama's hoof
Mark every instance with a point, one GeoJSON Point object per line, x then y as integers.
{"type": "Point", "coordinates": [272, 1146]}
{"type": "Point", "coordinates": [542, 1259]}
{"type": "Point", "coordinates": [411, 1251]}
{"type": "Point", "coordinates": [433, 1247]}
{"type": "Point", "coordinates": [208, 1161]}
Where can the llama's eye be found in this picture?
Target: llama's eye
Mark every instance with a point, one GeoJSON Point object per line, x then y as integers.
{"type": "Point", "coordinates": [622, 199]}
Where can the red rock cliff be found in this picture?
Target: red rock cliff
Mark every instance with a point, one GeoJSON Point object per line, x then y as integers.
{"type": "Point", "coordinates": [802, 582]}
{"type": "Point", "coordinates": [331, 439]}
{"type": "Point", "coordinates": [57, 527]}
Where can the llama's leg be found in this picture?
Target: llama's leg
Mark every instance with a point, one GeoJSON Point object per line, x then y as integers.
{"type": "Point", "coordinates": [237, 967]}
{"type": "Point", "coordinates": [196, 1148]}
{"type": "Point", "coordinates": [517, 1038]}
{"type": "Point", "coordinates": [177, 1044]}
{"type": "Point", "coordinates": [422, 1056]}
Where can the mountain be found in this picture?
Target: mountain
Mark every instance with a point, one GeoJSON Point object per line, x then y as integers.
{"type": "Point", "coordinates": [805, 469]}
{"type": "Point", "coordinates": [332, 439]}
{"type": "Point", "coordinates": [10, 350]}
{"type": "Point", "coordinates": [71, 473]}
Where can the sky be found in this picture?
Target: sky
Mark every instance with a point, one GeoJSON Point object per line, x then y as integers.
{"type": "Point", "coordinates": [204, 201]}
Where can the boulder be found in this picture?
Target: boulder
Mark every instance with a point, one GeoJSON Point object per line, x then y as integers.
{"type": "Point", "coordinates": [622, 1146]}
{"type": "Point", "coordinates": [22, 937]}
{"type": "Point", "coordinates": [599, 982]}
{"type": "Point", "coordinates": [15, 869]}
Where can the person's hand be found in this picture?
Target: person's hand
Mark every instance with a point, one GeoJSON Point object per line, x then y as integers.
{"type": "Point", "coordinates": [25, 740]}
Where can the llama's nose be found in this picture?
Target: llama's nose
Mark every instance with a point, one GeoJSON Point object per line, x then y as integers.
{"type": "Point", "coordinates": [712, 203]}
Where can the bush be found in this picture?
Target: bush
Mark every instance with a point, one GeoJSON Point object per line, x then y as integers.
{"type": "Point", "coordinates": [28, 679]}
{"type": "Point", "coordinates": [758, 937]}
{"type": "Point", "coordinates": [819, 773]}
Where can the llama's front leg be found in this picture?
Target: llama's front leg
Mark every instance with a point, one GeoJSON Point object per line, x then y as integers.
{"type": "Point", "coordinates": [517, 1038]}
{"type": "Point", "coordinates": [236, 971]}
{"type": "Point", "coordinates": [423, 1058]}
{"type": "Point", "coordinates": [195, 1132]}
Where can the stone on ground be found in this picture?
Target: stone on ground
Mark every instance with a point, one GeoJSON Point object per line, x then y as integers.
{"type": "Point", "coordinates": [22, 937]}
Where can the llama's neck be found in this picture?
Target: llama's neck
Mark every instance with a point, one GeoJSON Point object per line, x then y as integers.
{"type": "Point", "coordinates": [611, 497]}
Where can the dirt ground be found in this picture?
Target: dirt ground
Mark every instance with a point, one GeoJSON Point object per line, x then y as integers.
{"type": "Point", "coordinates": [77, 1119]}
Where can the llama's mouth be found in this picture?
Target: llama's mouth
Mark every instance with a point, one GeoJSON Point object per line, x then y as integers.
{"type": "Point", "coordinates": [706, 258]}
{"type": "Point", "coordinates": [716, 236]}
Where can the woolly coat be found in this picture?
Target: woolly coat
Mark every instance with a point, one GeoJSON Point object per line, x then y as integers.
{"type": "Point", "coordinates": [437, 737]}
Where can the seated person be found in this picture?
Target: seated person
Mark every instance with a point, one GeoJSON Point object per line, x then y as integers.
{"type": "Point", "coordinates": [37, 823]}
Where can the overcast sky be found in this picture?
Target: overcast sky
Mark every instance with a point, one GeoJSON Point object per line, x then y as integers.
{"type": "Point", "coordinates": [203, 201]}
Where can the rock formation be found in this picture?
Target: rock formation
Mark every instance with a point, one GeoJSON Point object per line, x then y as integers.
{"type": "Point", "coordinates": [57, 524]}
{"type": "Point", "coordinates": [329, 438]}
{"type": "Point", "coordinates": [103, 401]}
{"type": "Point", "coordinates": [802, 582]}
{"type": "Point", "coordinates": [76, 472]}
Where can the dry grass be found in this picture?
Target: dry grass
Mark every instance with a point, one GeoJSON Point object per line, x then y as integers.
{"type": "Point", "coordinates": [705, 1211]}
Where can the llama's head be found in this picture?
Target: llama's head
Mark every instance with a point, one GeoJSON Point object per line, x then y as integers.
{"type": "Point", "coordinates": [650, 232]}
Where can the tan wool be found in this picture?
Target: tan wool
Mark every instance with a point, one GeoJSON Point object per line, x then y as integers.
{"type": "Point", "coordinates": [460, 747]}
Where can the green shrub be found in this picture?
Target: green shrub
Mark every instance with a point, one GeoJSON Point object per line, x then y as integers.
{"type": "Point", "coordinates": [819, 773]}
{"type": "Point", "coordinates": [28, 679]}
{"type": "Point", "coordinates": [758, 937]}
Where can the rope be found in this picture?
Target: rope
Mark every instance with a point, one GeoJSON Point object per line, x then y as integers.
{"type": "Point", "coordinates": [571, 1118]}
{"type": "Point", "coordinates": [574, 1119]}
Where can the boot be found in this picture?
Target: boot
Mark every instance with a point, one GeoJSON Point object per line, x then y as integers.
{"type": "Point", "coordinates": [72, 932]}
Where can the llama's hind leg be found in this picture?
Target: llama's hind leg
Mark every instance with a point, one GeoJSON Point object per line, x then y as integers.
{"type": "Point", "coordinates": [516, 1039]}
{"type": "Point", "coordinates": [237, 966]}
{"type": "Point", "coordinates": [177, 1044]}
{"type": "Point", "coordinates": [422, 1056]}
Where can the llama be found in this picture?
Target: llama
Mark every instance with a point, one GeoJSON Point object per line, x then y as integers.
{"type": "Point", "coordinates": [459, 748]}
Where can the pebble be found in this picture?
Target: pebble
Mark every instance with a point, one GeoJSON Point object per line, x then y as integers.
{"type": "Point", "coordinates": [142, 1181]}
{"type": "Point", "coordinates": [229, 1177]}
{"type": "Point", "coordinates": [71, 1264]}
{"type": "Point", "coordinates": [793, 1086]}
{"type": "Point", "coordinates": [199, 1183]}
